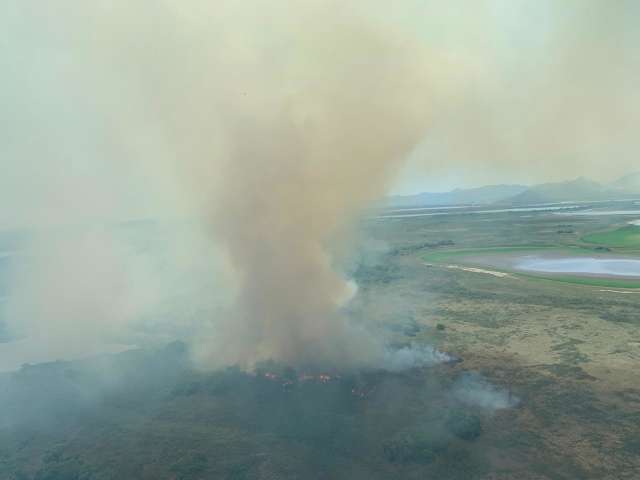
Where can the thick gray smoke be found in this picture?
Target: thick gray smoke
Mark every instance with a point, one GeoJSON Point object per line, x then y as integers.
{"type": "Point", "coordinates": [270, 125]}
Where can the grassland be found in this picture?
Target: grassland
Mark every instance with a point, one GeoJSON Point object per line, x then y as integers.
{"type": "Point", "coordinates": [443, 255]}
{"type": "Point", "coordinates": [623, 237]}
{"type": "Point", "coordinates": [569, 349]}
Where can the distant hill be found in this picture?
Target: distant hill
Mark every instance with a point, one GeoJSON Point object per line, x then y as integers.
{"type": "Point", "coordinates": [479, 195]}
{"type": "Point", "coordinates": [580, 189]}
{"type": "Point", "coordinates": [628, 183]}
{"type": "Point", "coordinates": [573, 190]}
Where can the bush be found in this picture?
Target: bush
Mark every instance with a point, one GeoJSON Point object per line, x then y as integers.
{"type": "Point", "coordinates": [190, 466]}
{"type": "Point", "coordinates": [416, 447]}
{"type": "Point", "coordinates": [464, 425]}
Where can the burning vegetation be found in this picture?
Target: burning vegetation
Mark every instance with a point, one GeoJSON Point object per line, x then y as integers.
{"type": "Point", "coordinates": [399, 419]}
{"type": "Point", "coordinates": [289, 378]}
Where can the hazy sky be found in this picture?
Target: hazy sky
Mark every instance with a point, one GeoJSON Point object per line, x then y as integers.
{"type": "Point", "coordinates": [521, 91]}
{"type": "Point", "coordinates": [551, 91]}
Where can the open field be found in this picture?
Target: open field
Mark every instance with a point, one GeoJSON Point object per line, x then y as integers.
{"type": "Point", "coordinates": [569, 347]}
{"type": "Point", "coordinates": [623, 237]}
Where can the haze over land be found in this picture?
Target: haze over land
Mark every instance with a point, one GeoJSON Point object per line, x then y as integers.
{"type": "Point", "coordinates": [271, 127]}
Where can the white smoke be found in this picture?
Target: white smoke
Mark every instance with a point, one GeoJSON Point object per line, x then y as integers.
{"type": "Point", "coordinates": [413, 356]}
{"type": "Point", "coordinates": [474, 390]}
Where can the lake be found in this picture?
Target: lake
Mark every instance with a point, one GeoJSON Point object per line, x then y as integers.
{"type": "Point", "coordinates": [601, 212]}
{"type": "Point", "coordinates": [397, 213]}
{"type": "Point", "coordinates": [616, 267]}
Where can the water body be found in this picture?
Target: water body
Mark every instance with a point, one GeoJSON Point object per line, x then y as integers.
{"type": "Point", "coordinates": [407, 215]}
{"type": "Point", "coordinates": [590, 266]}
{"type": "Point", "coordinates": [413, 209]}
{"type": "Point", "coordinates": [601, 212]}
{"type": "Point", "coordinates": [497, 210]}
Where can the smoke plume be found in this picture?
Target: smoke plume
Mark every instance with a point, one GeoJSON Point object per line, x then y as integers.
{"type": "Point", "coordinates": [283, 120]}
{"type": "Point", "coordinates": [310, 142]}
{"type": "Point", "coordinates": [270, 126]}
{"type": "Point", "coordinates": [473, 389]}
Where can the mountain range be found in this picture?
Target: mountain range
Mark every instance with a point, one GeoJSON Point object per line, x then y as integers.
{"type": "Point", "coordinates": [579, 189]}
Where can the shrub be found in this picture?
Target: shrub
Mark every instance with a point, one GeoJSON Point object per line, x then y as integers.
{"type": "Point", "coordinates": [464, 425]}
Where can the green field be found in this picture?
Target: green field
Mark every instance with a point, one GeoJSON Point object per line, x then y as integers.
{"type": "Point", "coordinates": [442, 255]}
{"type": "Point", "coordinates": [594, 282]}
{"type": "Point", "coordinates": [625, 237]}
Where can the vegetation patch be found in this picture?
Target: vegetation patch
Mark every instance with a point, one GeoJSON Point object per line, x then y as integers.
{"type": "Point", "coordinates": [443, 255]}
{"type": "Point", "coordinates": [625, 237]}
{"type": "Point", "coordinates": [588, 281]}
